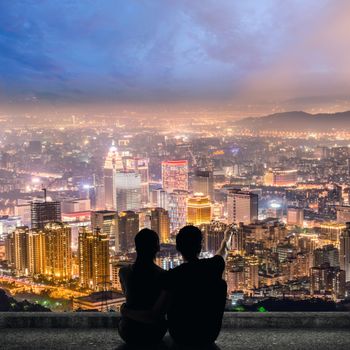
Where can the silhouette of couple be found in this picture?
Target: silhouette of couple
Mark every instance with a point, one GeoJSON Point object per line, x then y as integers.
{"type": "Point", "coordinates": [188, 300]}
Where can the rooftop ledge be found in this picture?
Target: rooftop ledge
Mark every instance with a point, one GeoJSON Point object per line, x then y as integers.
{"type": "Point", "coordinates": [234, 320]}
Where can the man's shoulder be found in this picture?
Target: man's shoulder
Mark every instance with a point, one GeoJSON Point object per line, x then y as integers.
{"type": "Point", "coordinates": [125, 269]}
{"type": "Point", "coordinates": [217, 261]}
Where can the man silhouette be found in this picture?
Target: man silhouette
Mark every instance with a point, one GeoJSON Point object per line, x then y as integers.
{"type": "Point", "coordinates": [194, 293]}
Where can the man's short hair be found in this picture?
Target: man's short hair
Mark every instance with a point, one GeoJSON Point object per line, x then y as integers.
{"type": "Point", "coordinates": [189, 241]}
{"type": "Point", "coordinates": [147, 243]}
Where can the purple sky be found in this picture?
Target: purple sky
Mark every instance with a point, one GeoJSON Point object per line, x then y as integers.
{"type": "Point", "coordinates": [211, 54]}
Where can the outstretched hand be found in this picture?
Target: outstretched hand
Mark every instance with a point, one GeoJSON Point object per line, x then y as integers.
{"type": "Point", "coordinates": [229, 233]}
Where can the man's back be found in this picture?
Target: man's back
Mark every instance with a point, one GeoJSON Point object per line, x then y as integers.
{"type": "Point", "coordinates": [198, 295]}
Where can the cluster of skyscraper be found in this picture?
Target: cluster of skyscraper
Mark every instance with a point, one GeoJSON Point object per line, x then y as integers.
{"type": "Point", "coordinates": [69, 241]}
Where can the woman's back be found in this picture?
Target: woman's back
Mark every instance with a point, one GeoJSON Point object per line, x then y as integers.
{"type": "Point", "coordinates": [141, 283]}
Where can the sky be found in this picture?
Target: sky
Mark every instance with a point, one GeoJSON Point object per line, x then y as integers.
{"type": "Point", "coordinates": [215, 55]}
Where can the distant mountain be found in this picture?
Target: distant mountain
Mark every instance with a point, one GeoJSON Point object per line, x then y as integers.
{"type": "Point", "coordinates": [298, 121]}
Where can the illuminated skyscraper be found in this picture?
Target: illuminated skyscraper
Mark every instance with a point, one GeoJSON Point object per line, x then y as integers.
{"type": "Point", "coordinates": [128, 190]}
{"type": "Point", "coordinates": [107, 222]}
{"type": "Point", "coordinates": [128, 227]}
{"type": "Point", "coordinates": [93, 255]}
{"type": "Point", "coordinates": [159, 198]}
{"type": "Point", "coordinates": [344, 254]}
{"type": "Point", "coordinates": [199, 210]}
{"type": "Point", "coordinates": [175, 175]}
{"type": "Point", "coordinates": [58, 251]}
{"type": "Point", "coordinates": [20, 246]}
{"type": "Point", "coordinates": [160, 223]}
{"type": "Point", "coordinates": [203, 182]}
{"type": "Point", "coordinates": [177, 207]}
{"type": "Point", "coordinates": [44, 212]}
{"type": "Point", "coordinates": [242, 207]}
{"type": "Point", "coordinates": [113, 164]}
{"type": "Point", "coordinates": [36, 252]}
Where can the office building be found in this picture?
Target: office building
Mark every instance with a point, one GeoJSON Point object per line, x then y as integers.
{"type": "Point", "coordinates": [140, 167]}
{"type": "Point", "coordinates": [199, 210]}
{"type": "Point", "coordinates": [160, 223]}
{"type": "Point", "coordinates": [203, 182]}
{"type": "Point", "coordinates": [295, 216]}
{"type": "Point", "coordinates": [128, 190]}
{"type": "Point", "coordinates": [107, 222]}
{"type": "Point", "coordinates": [128, 227]}
{"type": "Point", "coordinates": [242, 207]}
{"type": "Point", "coordinates": [175, 175]}
{"type": "Point", "coordinates": [177, 208]}
{"type": "Point", "coordinates": [281, 178]}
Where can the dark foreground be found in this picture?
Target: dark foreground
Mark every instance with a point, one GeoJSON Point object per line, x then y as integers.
{"type": "Point", "coordinates": [85, 339]}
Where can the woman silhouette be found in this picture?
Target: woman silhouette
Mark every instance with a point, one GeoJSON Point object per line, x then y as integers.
{"type": "Point", "coordinates": [141, 284]}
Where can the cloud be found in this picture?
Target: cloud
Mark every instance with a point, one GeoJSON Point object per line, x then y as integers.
{"type": "Point", "coordinates": [205, 52]}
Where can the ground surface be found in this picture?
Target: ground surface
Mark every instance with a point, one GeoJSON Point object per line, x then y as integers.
{"type": "Point", "coordinates": [229, 339]}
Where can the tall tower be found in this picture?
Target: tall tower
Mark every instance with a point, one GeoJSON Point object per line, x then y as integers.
{"type": "Point", "coordinates": [93, 254]}
{"type": "Point", "coordinates": [58, 251]}
{"type": "Point", "coordinates": [36, 252]}
{"type": "Point", "coordinates": [113, 164]}
{"type": "Point", "coordinates": [344, 255]}
{"type": "Point", "coordinates": [20, 242]}
{"type": "Point", "coordinates": [177, 208]}
{"type": "Point", "coordinates": [160, 223]}
{"type": "Point", "coordinates": [203, 182]}
{"type": "Point", "coordinates": [128, 190]}
{"type": "Point", "coordinates": [128, 226]}
{"type": "Point", "coordinates": [140, 167]}
{"type": "Point", "coordinates": [199, 210]}
{"type": "Point", "coordinates": [242, 207]}
{"type": "Point", "coordinates": [175, 175]}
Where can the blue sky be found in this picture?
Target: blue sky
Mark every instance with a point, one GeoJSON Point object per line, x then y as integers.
{"type": "Point", "coordinates": [195, 53]}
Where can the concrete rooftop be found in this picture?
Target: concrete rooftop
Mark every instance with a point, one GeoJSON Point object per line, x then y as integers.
{"type": "Point", "coordinates": [229, 339]}
{"type": "Point", "coordinates": [240, 331]}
